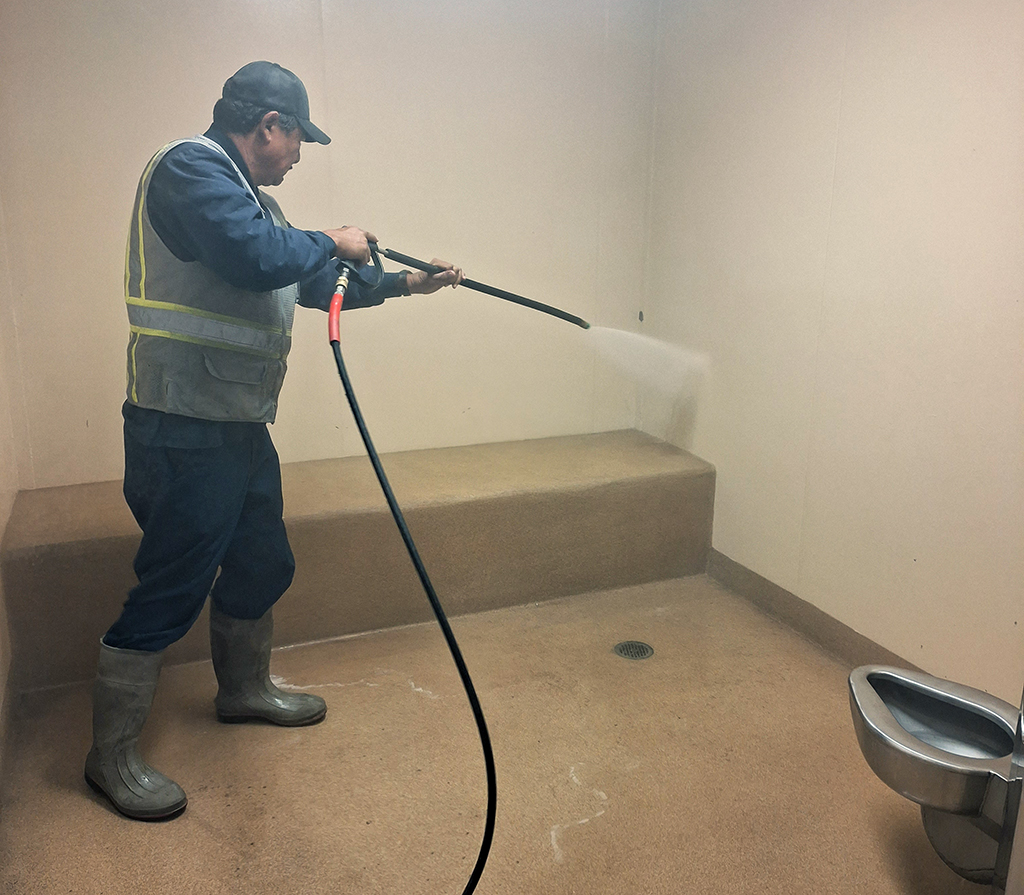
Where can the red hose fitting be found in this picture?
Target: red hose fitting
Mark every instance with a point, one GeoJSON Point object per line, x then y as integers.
{"type": "Point", "coordinates": [333, 323]}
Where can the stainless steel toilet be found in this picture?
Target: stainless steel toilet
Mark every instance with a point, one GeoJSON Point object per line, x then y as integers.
{"type": "Point", "coordinates": [950, 748]}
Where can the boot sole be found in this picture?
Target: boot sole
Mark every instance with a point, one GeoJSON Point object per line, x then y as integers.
{"type": "Point", "coordinates": [243, 719]}
{"type": "Point", "coordinates": [168, 814]}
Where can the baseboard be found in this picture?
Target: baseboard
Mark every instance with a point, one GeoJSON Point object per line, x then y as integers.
{"type": "Point", "coordinates": [809, 621]}
{"type": "Point", "coordinates": [6, 738]}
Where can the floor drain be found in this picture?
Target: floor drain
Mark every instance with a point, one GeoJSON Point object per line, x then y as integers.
{"type": "Point", "coordinates": [634, 649]}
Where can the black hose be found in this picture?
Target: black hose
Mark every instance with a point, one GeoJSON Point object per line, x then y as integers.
{"type": "Point", "coordinates": [484, 288]}
{"type": "Point", "coordinates": [442, 620]}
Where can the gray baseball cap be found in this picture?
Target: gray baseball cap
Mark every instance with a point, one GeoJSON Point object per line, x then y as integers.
{"type": "Point", "coordinates": [269, 85]}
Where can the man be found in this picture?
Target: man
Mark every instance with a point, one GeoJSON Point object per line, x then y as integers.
{"type": "Point", "coordinates": [213, 273]}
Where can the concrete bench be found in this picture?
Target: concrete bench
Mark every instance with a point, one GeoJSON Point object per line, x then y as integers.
{"type": "Point", "coordinates": [495, 524]}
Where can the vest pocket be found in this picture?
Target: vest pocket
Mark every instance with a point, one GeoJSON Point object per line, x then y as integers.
{"type": "Point", "coordinates": [234, 366]}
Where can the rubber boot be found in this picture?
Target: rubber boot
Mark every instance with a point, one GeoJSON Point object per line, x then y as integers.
{"type": "Point", "coordinates": [122, 697]}
{"type": "Point", "coordinates": [241, 661]}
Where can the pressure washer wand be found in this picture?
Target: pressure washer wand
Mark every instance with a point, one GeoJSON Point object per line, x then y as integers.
{"type": "Point", "coordinates": [399, 258]}
{"type": "Point", "coordinates": [334, 334]}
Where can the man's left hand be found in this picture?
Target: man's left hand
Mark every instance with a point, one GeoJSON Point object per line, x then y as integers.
{"type": "Point", "coordinates": [421, 283]}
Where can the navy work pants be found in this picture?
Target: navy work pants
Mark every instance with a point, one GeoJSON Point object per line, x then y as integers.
{"type": "Point", "coordinates": [207, 496]}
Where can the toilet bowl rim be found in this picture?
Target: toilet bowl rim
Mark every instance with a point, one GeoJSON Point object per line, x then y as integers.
{"type": "Point", "coordinates": [874, 718]}
{"type": "Point", "coordinates": [966, 697]}
{"type": "Point", "coordinates": [882, 738]}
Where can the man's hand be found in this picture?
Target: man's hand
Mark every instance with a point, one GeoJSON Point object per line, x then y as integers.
{"type": "Point", "coordinates": [421, 283]}
{"type": "Point", "coordinates": [350, 244]}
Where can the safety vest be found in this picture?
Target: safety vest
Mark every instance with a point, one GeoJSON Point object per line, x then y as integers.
{"type": "Point", "coordinates": [199, 346]}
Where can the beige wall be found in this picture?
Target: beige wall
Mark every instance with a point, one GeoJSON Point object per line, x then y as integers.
{"type": "Point", "coordinates": [511, 138]}
{"type": "Point", "coordinates": [8, 465]}
{"type": "Point", "coordinates": [838, 225]}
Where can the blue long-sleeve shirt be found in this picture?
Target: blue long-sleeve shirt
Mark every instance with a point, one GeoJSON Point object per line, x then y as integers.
{"type": "Point", "coordinates": [202, 213]}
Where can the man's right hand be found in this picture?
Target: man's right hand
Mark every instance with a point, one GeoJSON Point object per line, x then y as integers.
{"type": "Point", "coordinates": [350, 244]}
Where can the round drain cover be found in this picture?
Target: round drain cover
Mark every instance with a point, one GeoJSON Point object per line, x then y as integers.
{"type": "Point", "coordinates": [634, 649]}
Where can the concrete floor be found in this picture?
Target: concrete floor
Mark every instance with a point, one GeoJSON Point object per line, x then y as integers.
{"type": "Point", "coordinates": [726, 763]}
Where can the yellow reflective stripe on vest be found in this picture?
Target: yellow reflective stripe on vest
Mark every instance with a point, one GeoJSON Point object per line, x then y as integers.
{"type": "Point", "coordinates": [209, 315]}
{"type": "Point", "coordinates": [204, 343]}
{"type": "Point", "coordinates": [142, 210]}
{"type": "Point", "coordinates": [133, 377]}
{"type": "Point", "coordinates": [167, 320]}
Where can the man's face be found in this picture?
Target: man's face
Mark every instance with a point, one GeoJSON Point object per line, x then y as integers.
{"type": "Point", "coordinates": [277, 154]}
